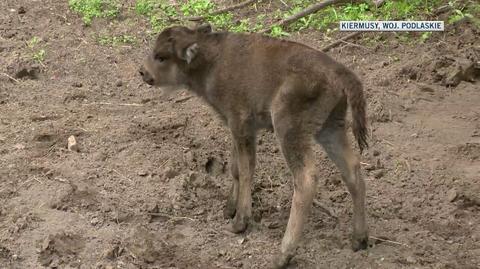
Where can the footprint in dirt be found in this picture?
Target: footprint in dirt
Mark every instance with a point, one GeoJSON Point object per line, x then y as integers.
{"type": "Point", "coordinates": [61, 249]}
{"type": "Point", "coordinates": [146, 248]}
{"type": "Point", "coordinates": [77, 198]}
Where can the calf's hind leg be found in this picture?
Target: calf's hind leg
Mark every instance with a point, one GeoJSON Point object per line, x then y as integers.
{"type": "Point", "coordinates": [334, 140]}
{"type": "Point", "coordinates": [296, 148]}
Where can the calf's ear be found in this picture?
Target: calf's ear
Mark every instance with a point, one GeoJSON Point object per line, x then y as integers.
{"type": "Point", "coordinates": [205, 28]}
{"type": "Point", "coordinates": [184, 44]}
{"type": "Point", "coordinates": [190, 53]}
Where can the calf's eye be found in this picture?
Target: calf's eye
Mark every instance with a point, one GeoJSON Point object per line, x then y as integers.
{"type": "Point", "coordinates": [159, 58]}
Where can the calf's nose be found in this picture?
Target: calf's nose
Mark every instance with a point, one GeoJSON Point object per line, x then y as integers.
{"type": "Point", "coordinates": [147, 78]}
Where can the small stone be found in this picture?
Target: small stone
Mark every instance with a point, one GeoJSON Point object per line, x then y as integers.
{"type": "Point", "coordinates": [190, 157]}
{"type": "Point", "coordinates": [169, 172]}
{"type": "Point", "coordinates": [370, 167]}
{"type": "Point", "coordinates": [21, 10]}
{"type": "Point", "coordinates": [112, 252]}
{"type": "Point", "coordinates": [94, 221]}
{"type": "Point", "coordinates": [415, 135]}
{"type": "Point", "coordinates": [142, 173]}
{"type": "Point", "coordinates": [77, 84]}
{"type": "Point", "coordinates": [411, 260]}
{"type": "Point", "coordinates": [379, 164]}
{"type": "Point", "coordinates": [379, 174]}
{"type": "Point", "coordinates": [452, 195]}
{"type": "Point", "coordinates": [19, 146]}
{"type": "Point", "coordinates": [119, 83]}
{"type": "Point", "coordinates": [376, 152]}
{"type": "Point", "coordinates": [425, 87]}
{"type": "Point", "coordinates": [221, 253]}
{"type": "Point", "coordinates": [72, 144]}
{"type": "Point", "coordinates": [273, 225]}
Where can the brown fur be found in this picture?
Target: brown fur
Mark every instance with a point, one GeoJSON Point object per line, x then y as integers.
{"type": "Point", "coordinates": [254, 82]}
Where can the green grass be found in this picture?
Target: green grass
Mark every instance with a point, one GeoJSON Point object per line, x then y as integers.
{"type": "Point", "coordinates": [161, 13]}
{"type": "Point", "coordinates": [203, 8]}
{"type": "Point", "coordinates": [33, 42]}
{"type": "Point", "coordinates": [37, 54]}
{"type": "Point", "coordinates": [90, 9]}
{"type": "Point", "coordinates": [197, 7]}
{"type": "Point", "coordinates": [158, 12]}
{"type": "Point", "coordinates": [106, 40]}
{"type": "Point", "coordinates": [470, 11]}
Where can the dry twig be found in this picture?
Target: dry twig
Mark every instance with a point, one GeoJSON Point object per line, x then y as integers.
{"type": "Point", "coordinates": [10, 77]}
{"type": "Point", "coordinates": [340, 41]}
{"type": "Point", "coordinates": [112, 104]}
{"type": "Point", "coordinates": [388, 241]}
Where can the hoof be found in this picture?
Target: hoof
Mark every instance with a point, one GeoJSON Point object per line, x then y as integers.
{"type": "Point", "coordinates": [360, 243]}
{"type": "Point", "coordinates": [281, 261]}
{"type": "Point", "coordinates": [238, 225]}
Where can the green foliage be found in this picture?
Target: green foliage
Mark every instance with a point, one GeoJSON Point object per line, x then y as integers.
{"type": "Point", "coordinates": [425, 36]}
{"type": "Point", "coordinates": [37, 54]}
{"type": "Point", "coordinates": [469, 11]}
{"type": "Point", "coordinates": [32, 42]}
{"type": "Point", "coordinates": [90, 9]}
{"type": "Point", "coordinates": [221, 21]}
{"type": "Point", "coordinates": [242, 27]}
{"type": "Point", "coordinates": [144, 7]}
{"type": "Point", "coordinates": [158, 12]}
{"type": "Point", "coordinates": [106, 40]}
{"type": "Point", "coordinates": [197, 7]}
{"type": "Point", "coordinates": [458, 15]}
{"type": "Point", "coordinates": [204, 8]}
{"type": "Point", "coordinates": [277, 31]}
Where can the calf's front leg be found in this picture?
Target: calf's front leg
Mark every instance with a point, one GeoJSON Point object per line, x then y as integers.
{"type": "Point", "coordinates": [231, 207]}
{"type": "Point", "coordinates": [244, 151]}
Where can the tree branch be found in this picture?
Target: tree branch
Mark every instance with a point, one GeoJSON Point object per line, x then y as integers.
{"type": "Point", "coordinates": [220, 11]}
{"type": "Point", "coordinates": [307, 11]}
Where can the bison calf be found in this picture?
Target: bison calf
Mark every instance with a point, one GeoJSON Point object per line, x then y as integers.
{"type": "Point", "coordinates": [255, 82]}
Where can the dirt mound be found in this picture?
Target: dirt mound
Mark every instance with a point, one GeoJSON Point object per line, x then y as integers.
{"type": "Point", "coordinates": [77, 199]}
{"type": "Point", "coordinates": [61, 250]}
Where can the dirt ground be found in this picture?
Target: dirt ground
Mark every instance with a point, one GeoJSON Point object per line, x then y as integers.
{"type": "Point", "coordinates": [148, 185]}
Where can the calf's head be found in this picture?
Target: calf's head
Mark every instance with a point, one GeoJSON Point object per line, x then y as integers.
{"type": "Point", "coordinates": [173, 53]}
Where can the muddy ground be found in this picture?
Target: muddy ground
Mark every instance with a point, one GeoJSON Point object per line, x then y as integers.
{"type": "Point", "coordinates": [148, 185]}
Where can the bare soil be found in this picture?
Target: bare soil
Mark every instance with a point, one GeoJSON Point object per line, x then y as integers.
{"type": "Point", "coordinates": [147, 187]}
